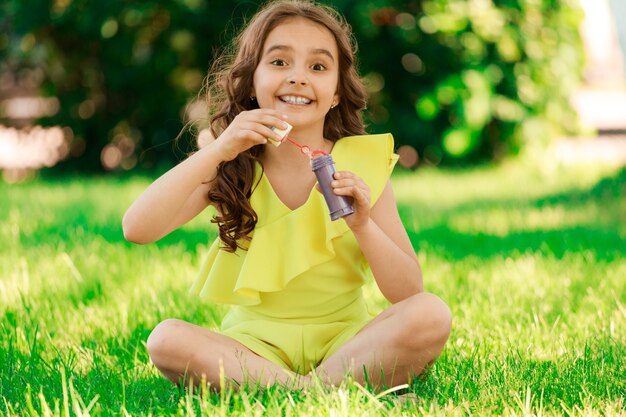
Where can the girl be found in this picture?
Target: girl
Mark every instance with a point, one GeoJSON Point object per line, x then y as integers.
{"type": "Point", "coordinates": [293, 276]}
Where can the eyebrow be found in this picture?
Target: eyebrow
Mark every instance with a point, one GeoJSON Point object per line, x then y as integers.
{"type": "Point", "coordinates": [316, 51]}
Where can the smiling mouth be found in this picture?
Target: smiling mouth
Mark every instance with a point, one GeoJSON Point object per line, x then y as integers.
{"type": "Point", "coordinates": [295, 100]}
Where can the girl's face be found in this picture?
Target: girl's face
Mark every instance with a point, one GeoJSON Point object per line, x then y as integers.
{"type": "Point", "coordinates": [298, 72]}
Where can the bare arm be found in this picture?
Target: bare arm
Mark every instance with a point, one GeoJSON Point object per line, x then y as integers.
{"type": "Point", "coordinates": [173, 199]}
{"type": "Point", "coordinates": [181, 193]}
{"type": "Point", "coordinates": [382, 238]}
{"type": "Point", "coordinates": [388, 250]}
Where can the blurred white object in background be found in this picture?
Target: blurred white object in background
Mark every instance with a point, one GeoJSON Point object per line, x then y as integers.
{"type": "Point", "coordinates": [24, 150]}
{"type": "Point", "coordinates": [601, 101]}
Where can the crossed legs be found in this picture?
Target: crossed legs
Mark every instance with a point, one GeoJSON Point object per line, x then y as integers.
{"type": "Point", "coordinates": [394, 347]}
{"type": "Point", "coordinates": [397, 345]}
{"type": "Point", "coordinates": [183, 351]}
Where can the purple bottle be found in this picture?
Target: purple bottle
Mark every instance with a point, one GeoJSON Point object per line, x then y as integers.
{"type": "Point", "coordinates": [324, 168]}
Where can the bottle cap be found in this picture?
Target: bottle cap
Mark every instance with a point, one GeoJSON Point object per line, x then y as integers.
{"type": "Point", "coordinates": [283, 134]}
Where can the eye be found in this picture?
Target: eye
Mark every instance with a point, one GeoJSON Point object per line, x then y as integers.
{"type": "Point", "coordinates": [318, 67]}
{"type": "Point", "coordinates": [279, 62]}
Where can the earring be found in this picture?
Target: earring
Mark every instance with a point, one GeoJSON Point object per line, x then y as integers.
{"type": "Point", "coordinates": [332, 106]}
{"type": "Point", "coordinates": [252, 98]}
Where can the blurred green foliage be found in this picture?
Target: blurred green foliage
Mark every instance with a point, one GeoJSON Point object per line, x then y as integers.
{"type": "Point", "coordinates": [459, 80]}
{"type": "Point", "coordinates": [463, 80]}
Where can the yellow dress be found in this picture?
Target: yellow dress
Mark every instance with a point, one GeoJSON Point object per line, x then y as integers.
{"type": "Point", "coordinates": [296, 292]}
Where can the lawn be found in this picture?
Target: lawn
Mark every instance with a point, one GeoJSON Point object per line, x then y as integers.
{"type": "Point", "coordinates": [530, 258]}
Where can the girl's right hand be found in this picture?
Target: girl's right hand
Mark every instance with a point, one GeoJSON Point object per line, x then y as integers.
{"type": "Point", "coordinates": [249, 128]}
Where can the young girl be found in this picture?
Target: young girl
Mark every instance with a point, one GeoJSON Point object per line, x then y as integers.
{"type": "Point", "coordinates": [293, 276]}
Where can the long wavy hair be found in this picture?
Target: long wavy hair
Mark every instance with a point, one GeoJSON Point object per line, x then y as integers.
{"type": "Point", "coordinates": [228, 88]}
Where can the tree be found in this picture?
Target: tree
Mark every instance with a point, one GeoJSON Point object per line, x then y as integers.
{"type": "Point", "coordinates": [458, 80]}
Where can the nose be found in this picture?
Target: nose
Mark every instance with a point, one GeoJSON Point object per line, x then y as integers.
{"type": "Point", "coordinates": [297, 77]}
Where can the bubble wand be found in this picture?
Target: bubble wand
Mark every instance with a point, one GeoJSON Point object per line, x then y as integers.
{"type": "Point", "coordinates": [323, 166]}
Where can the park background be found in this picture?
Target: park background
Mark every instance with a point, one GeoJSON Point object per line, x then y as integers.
{"type": "Point", "coordinates": [509, 118]}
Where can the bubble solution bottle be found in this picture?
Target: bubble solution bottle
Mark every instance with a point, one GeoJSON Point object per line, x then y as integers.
{"type": "Point", "coordinates": [324, 168]}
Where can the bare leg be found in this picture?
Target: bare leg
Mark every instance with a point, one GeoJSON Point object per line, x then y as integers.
{"type": "Point", "coordinates": [394, 347]}
{"type": "Point", "coordinates": [184, 352]}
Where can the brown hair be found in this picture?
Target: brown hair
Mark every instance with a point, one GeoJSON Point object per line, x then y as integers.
{"type": "Point", "coordinates": [228, 91]}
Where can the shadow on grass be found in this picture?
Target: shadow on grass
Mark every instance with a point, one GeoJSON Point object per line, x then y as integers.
{"type": "Point", "coordinates": [607, 188]}
{"type": "Point", "coordinates": [77, 227]}
{"type": "Point", "coordinates": [78, 232]}
{"type": "Point", "coordinates": [605, 242]}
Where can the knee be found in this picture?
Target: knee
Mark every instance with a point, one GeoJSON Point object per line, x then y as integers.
{"type": "Point", "coordinates": [161, 343]}
{"type": "Point", "coordinates": [428, 321]}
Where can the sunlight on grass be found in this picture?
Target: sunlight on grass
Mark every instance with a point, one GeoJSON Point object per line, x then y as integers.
{"type": "Point", "coordinates": [514, 180]}
{"type": "Point", "coordinates": [530, 258]}
{"type": "Point", "coordinates": [504, 221]}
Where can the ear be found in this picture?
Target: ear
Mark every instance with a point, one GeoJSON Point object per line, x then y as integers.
{"type": "Point", "coordinates": [336, 99]}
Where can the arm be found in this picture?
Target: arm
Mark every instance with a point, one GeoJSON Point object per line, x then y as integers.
{"type": "Point", "coordinates": [173, 199]}
{"type": "Point", "coordinates": [384, 242]}
{"type": "Point", "coordinates": [181, 193]}
{"type": "Point", "coordinates": [382, 238]}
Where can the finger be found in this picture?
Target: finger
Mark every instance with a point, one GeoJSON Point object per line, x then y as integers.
{"type": "Point", "coordinates": [271, 112]}
{"type": "Point", "coordinates": [266, 112]}
{"type": "Point", "coordinates": [253, 136]}
{"type": "Point", "coordinates": [261, 130]}
{"type": "Point", "coordinates": [347, 191]}
{"type": "Point", "coordinates": [269, 133]}
{"type": "Point", "coordinates": [345, 174]}
{"type": "Point", "coordinates": [349, 182]}
{"type": "Point", "coordinates": [266, 120]}
{"type": "Point", "coordinates": [356, 192]}
{"type": "Point", "coordinates": [276, 122]}
{"type": "Point", "coordinates": [268, 117]}
{"type": "Point", "coordinates": [357, 198]}
{"type": "Point", "coordinates": [361, 197]}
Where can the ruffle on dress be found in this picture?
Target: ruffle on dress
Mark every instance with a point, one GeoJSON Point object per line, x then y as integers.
{"type": "Point", "coordinates": [286, 243]}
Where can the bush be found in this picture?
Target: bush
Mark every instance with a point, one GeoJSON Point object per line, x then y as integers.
{"type": "Point", "coordinates": [458, 80]}
{"type": "Point", "coordinates": [123, 71]}
{"type": "Point", "coordinates": [463, 80]}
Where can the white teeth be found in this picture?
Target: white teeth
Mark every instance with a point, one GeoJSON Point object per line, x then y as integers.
{"type": "Point", "coordinates": [295, 100]}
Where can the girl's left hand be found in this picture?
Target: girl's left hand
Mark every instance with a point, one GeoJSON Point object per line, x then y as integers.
{"type": "Point", "coordinates": [348, 184]}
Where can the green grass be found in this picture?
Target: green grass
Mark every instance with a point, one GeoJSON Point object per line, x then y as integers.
{"type": "Point", "coordinates": [531, 261]}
